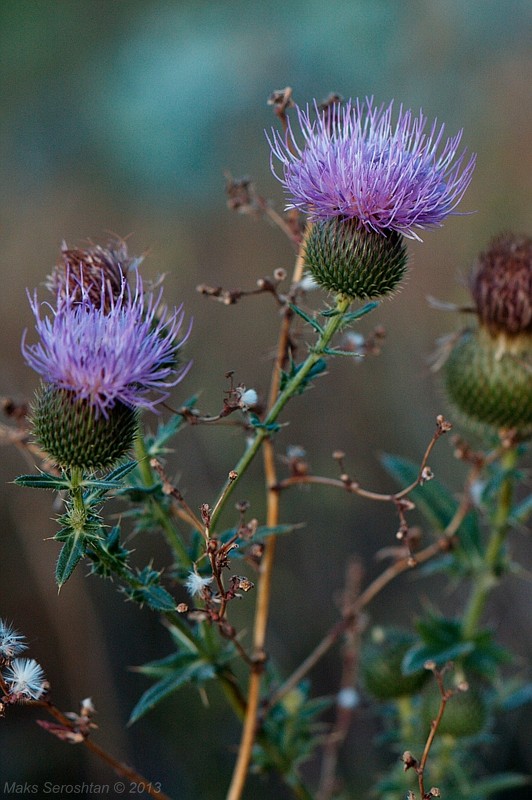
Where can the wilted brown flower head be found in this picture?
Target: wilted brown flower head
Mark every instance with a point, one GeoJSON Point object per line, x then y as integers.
{"type": "Point", "coordinates": [501, 284]}
{"type": "Point", "coordinates": [92, 267]}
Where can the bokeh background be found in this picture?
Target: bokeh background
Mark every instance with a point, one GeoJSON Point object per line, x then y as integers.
{"type": "Point", "coordinates": [122, 117]}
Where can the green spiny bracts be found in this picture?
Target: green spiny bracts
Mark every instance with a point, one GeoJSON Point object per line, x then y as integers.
{"type": "Point", "coordinates": [344, 257]}
{"type": "Point", "coordinates": [381, 661]}
{"type": "Point", "coordinates": [489, 379]}
{"type": "Point", "coordinates": [73, 434]}
{"type": "Point", "coordinates": [465, 713]}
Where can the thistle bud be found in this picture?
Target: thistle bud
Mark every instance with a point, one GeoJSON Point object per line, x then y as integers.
{"type": "Point", "coordinates": [360, 263]}
{"type": "Point", "coordinates": [491, 382]}
{"type": "Point", "coordinates": [488, 373]}
{"type": "Point", "coordinates": [381, 664]}
{"type": "Point", "coordinates": [73, 434]}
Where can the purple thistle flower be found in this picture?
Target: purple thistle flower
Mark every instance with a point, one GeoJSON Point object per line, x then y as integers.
{"type": "Point", "coordinates": [355, 163]}
{"type": "Point", "coordinates": [117, 350]}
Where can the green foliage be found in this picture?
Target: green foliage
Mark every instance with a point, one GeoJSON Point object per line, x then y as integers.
{"type": "Point", "coordinates": [381, 664]}
{"type": "Point", "coordinates": [522, 511]}
{"type": "Point", "coordinates": [199, 658]}
{"type": "Point", "coordinates": [80, 526]}
{"type": "Point", "coordinates": [261, 533]}
{"type": "Point", "coordinates": [438, 505]}
{"type": "Point", "coordinates": [146, 587]}
{"type": "Point", "coordinates": [71, 554]}
{"type": "Point", "coordinates": [156, 444]}
{"type": "Point", "coordinates": [352, 316]}
{"type": "Point", "coordinates": [289, 733]}
{"type": "Point", "coordinates": [442, 640]}
{"type": "Point", "coordinates": [456, 781]}
{"type": "Point", "coordinates": [465, 714]}
{"type": "Point", "coordinates": [98, 489]}
{"type": "Point", "coordinates": [514, 695]}
{"type": "Point", "coordinates": [318, 369]}
{"type": "Point", "coordinates": [271, 427]}
{"type": "Point", "coordinates": [175, 671]}
{"type": "Point", "coordinates": [43, 481]}
{"type": "Point", "coordinates": [487, 787]}
{"type": "Point", "coordinates": [310, 320]}
{"type": "Point", "coordinates": [110, 556]}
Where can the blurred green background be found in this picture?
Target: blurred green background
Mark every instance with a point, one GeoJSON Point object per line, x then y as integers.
{"type": "Point", "coordinates": [122, 117]}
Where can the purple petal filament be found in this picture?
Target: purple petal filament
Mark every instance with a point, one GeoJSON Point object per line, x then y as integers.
{"type": "Point", "coordinates": [356, 163]}
{"type": "Point", "coordinates": [120, 350]}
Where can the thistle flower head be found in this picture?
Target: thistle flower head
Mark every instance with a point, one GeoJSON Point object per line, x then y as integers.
{"type": "Point", "coordinates": [118, 349]}
{"type": "Point", "coordinates": [25, 678]}
{"type": "Point", "coordinates": [501, 285]}
{"type": "Point", "coordinates": [488, 370]}
{"type": "Point", "coordinates": [86, 268]}
{"type": "Point", "coordinates": [355, 162]}
{"type": "Point", "coordinates": [11, 641]}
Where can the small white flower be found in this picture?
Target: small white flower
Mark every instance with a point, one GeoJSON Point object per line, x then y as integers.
{"type": "Point", "coordinates": [195, 584]}
{"type": "Point", "coordinates": [295, 451]}
{"type": "Point", "coordinates": [354, 342]}
{"type": "Point", "coordinates": [308, 282]}
{"type": "Point", "coordinates": [25, 677]}
{"type": "Point", "coordinates": [11, 641]}
{"type": "Point", "coordinates": [348, 698]}
{"type": "Point", "coordinates": [476, 491]}
{"type": "Point", "coordinates": [248, 398]}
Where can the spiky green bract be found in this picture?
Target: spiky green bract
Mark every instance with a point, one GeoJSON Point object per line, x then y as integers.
{"type": "Point", "coordinates": [489, 380]}
{"type": "Point", "coordinates": [344, 257]}
{"type": "Point", "coordinates": [381, 664]}
{"type": "Point", "coordinates": [465, 713]}
{"type": "Point", "coordinates": [73, 434]}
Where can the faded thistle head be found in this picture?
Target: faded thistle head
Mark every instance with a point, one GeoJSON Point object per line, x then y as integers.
{"type": "Point", "coordinates": [488, 373]}
{"type": "Point", "coordinates": [102, 356]}
{"type": "Point", "coordinates": [25, 680]}
{"type": "Point", "coordinates": [366, 181]}
{"type": "Point", "coordinates": [91, 268]}
{"type": "Point", "coordinates": [11, 642]}
{"type": "Point", "coordinates": [501, 285]}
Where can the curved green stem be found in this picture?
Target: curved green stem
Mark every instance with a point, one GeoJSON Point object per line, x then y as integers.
{"type": "Point", "coordinates": [172, 536]}
{"type": "Point", "coordinates": [489, 576]}
{"type": "Point", "coordinates": [291, 388]}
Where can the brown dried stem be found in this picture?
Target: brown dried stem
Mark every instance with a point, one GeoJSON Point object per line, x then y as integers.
{"type": "Point", "coordinates": [445, 695]}
{"type": "Point", "coordinates": [169, 489]}
{"type": "Point", "coordinates": [442, 545]}
{"type": "Point", "coordinates": [349, 485]}
{"type": "Point", "coordinates": [264, 589]}
{"type": "Point", "coordinates": [121, 769]}
{"type": "Point", "coordinates": [344, 708]}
